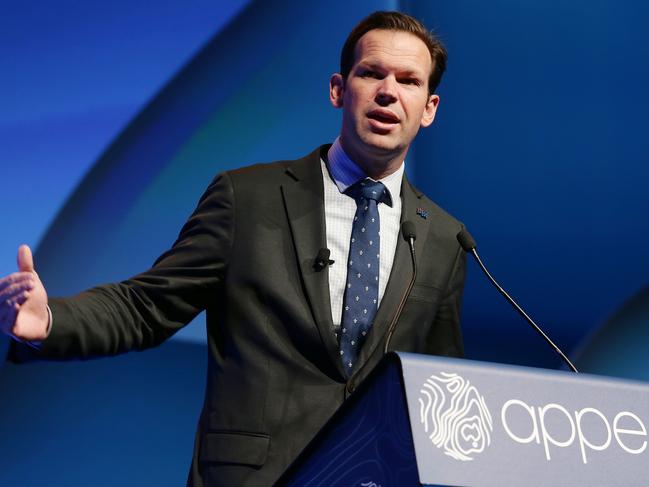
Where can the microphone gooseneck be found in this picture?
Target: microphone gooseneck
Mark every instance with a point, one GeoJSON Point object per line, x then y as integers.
{"type": "Point", "coordinates": [469, 245]}
{"type": "Point", "coordinates": [409, 234]}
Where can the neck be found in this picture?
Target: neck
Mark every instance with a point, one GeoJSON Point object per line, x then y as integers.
{"type": "Point", "coordinates": [377, 165]}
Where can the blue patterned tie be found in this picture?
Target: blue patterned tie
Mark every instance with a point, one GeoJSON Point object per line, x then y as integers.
{"type": "Point", "coordinates": [362, 287]}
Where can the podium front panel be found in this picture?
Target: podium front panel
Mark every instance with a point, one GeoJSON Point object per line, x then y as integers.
{"type": "Point", "coordinates": [481, 424]}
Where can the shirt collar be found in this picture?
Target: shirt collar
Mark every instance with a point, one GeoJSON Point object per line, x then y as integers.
{"type": "Point", "coordinates": [345, 172]}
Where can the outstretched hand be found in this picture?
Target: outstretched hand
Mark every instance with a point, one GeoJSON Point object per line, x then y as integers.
{"type": "Point", "coordinates": [23, 301]}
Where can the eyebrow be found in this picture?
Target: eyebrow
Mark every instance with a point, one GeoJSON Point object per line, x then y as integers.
{"type": "Point", "coordinates": [378, 67]}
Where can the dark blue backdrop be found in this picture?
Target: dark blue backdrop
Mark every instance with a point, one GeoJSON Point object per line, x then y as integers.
{"type": "Point", "coordinates": [540, 147]}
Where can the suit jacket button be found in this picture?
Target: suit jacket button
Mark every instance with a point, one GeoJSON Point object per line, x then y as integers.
{"type": "Point", "coordinates": [351, 387]}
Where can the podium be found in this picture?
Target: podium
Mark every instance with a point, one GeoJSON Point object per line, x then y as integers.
{"type": "Point", "coordinates": [423, 420]}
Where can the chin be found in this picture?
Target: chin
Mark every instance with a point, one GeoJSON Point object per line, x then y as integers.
{"type": "Point", "coordinates": [382, 143]}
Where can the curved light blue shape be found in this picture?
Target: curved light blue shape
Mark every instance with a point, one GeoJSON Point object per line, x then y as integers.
{"type": "Point", "coordinates": [73, 74]}
{"type": "Point", "coordinates": [519, 152]}
{"type": "Point", "coordinates": [456, 163]}
{"type": "Point", "coordinates": [257, 91]}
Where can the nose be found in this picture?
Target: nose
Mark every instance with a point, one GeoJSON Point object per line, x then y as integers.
{"type": "Point", "coordinates": [387, 91]}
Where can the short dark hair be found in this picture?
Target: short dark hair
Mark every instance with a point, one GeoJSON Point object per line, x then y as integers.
{"type": "Point", "coordinates": [400, 22]}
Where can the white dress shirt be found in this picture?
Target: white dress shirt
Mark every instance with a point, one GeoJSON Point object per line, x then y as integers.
{"type": "Point", "coordinates": [340, 209]}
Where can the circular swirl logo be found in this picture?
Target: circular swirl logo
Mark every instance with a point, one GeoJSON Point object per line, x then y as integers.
{"type": "Point", "coordinates": [455, 416]}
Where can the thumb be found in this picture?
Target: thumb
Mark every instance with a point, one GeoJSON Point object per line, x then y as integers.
{"type": "Point", "coordinates": [25, 259]}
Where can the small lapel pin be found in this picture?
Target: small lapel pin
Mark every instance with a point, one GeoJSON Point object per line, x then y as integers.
{"type": "Point", "coordinates": [422, 213]}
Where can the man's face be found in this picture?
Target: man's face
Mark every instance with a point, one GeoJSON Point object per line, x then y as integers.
{"type": "Point", "coordinates": [385, 97]}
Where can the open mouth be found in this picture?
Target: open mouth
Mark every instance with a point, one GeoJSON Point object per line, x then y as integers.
{"type": "Point", "coordinates": [383, 116]}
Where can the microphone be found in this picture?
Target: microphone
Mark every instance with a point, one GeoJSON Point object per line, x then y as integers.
{"type": "Point", "coordinates": [468, 244]}
{"type": "Point", "coordinates": [322, 259]}
{"type": "Point", "coordinates": [409, 234]}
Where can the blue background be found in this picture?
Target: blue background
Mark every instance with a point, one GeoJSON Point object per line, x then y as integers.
{"type": "Point", "coordinates": [115, 117]}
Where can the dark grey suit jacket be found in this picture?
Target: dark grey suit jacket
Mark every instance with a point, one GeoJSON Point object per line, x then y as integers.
{"type": "Point", "coordinates": [246, 256]}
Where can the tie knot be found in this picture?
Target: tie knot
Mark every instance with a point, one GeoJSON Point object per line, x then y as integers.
{"type": "Point", "coordinates": [370, 190]}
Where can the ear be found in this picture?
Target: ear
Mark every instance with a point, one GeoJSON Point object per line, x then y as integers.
{"type": "Point", "coordinates": [430, 110]}
{"type": "Point", "coordinates": [336, 90]}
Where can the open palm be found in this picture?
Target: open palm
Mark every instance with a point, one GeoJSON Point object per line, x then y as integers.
{"type": "Point", "coordinates": [23, 301]}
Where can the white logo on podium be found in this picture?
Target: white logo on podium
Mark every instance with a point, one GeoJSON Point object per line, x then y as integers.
{"type": "Point", "coordinates": [455, 416]}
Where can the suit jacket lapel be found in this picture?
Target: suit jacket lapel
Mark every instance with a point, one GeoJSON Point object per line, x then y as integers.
{"type": "Point", "coordinates": [400, 274]}
{"type": "Point", "coordinates": [304, 201]}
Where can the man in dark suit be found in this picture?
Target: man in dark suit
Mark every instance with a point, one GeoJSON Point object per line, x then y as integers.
{"type": "Point", "coordinates": [290, 333]}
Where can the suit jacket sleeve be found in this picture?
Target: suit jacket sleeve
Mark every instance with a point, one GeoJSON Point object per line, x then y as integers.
{"type": "Point", "coordinates": [143, 311]}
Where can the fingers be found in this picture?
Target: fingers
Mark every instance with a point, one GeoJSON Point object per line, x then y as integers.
{"type": "Point", "coordinates": [8, 311]}
{"type": "Point", "coordinates": [10, 292]}
{"type": "Point", "coordinates": [25, 259]}
{"type": "Point", "coordinates": [17, 278]}
{"type": "Point", "coordinates": [14, 302]}
{"type": "Point", "coordinates": [11, 298]}
{"type": "Point", "coordinates": [15, 289]}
